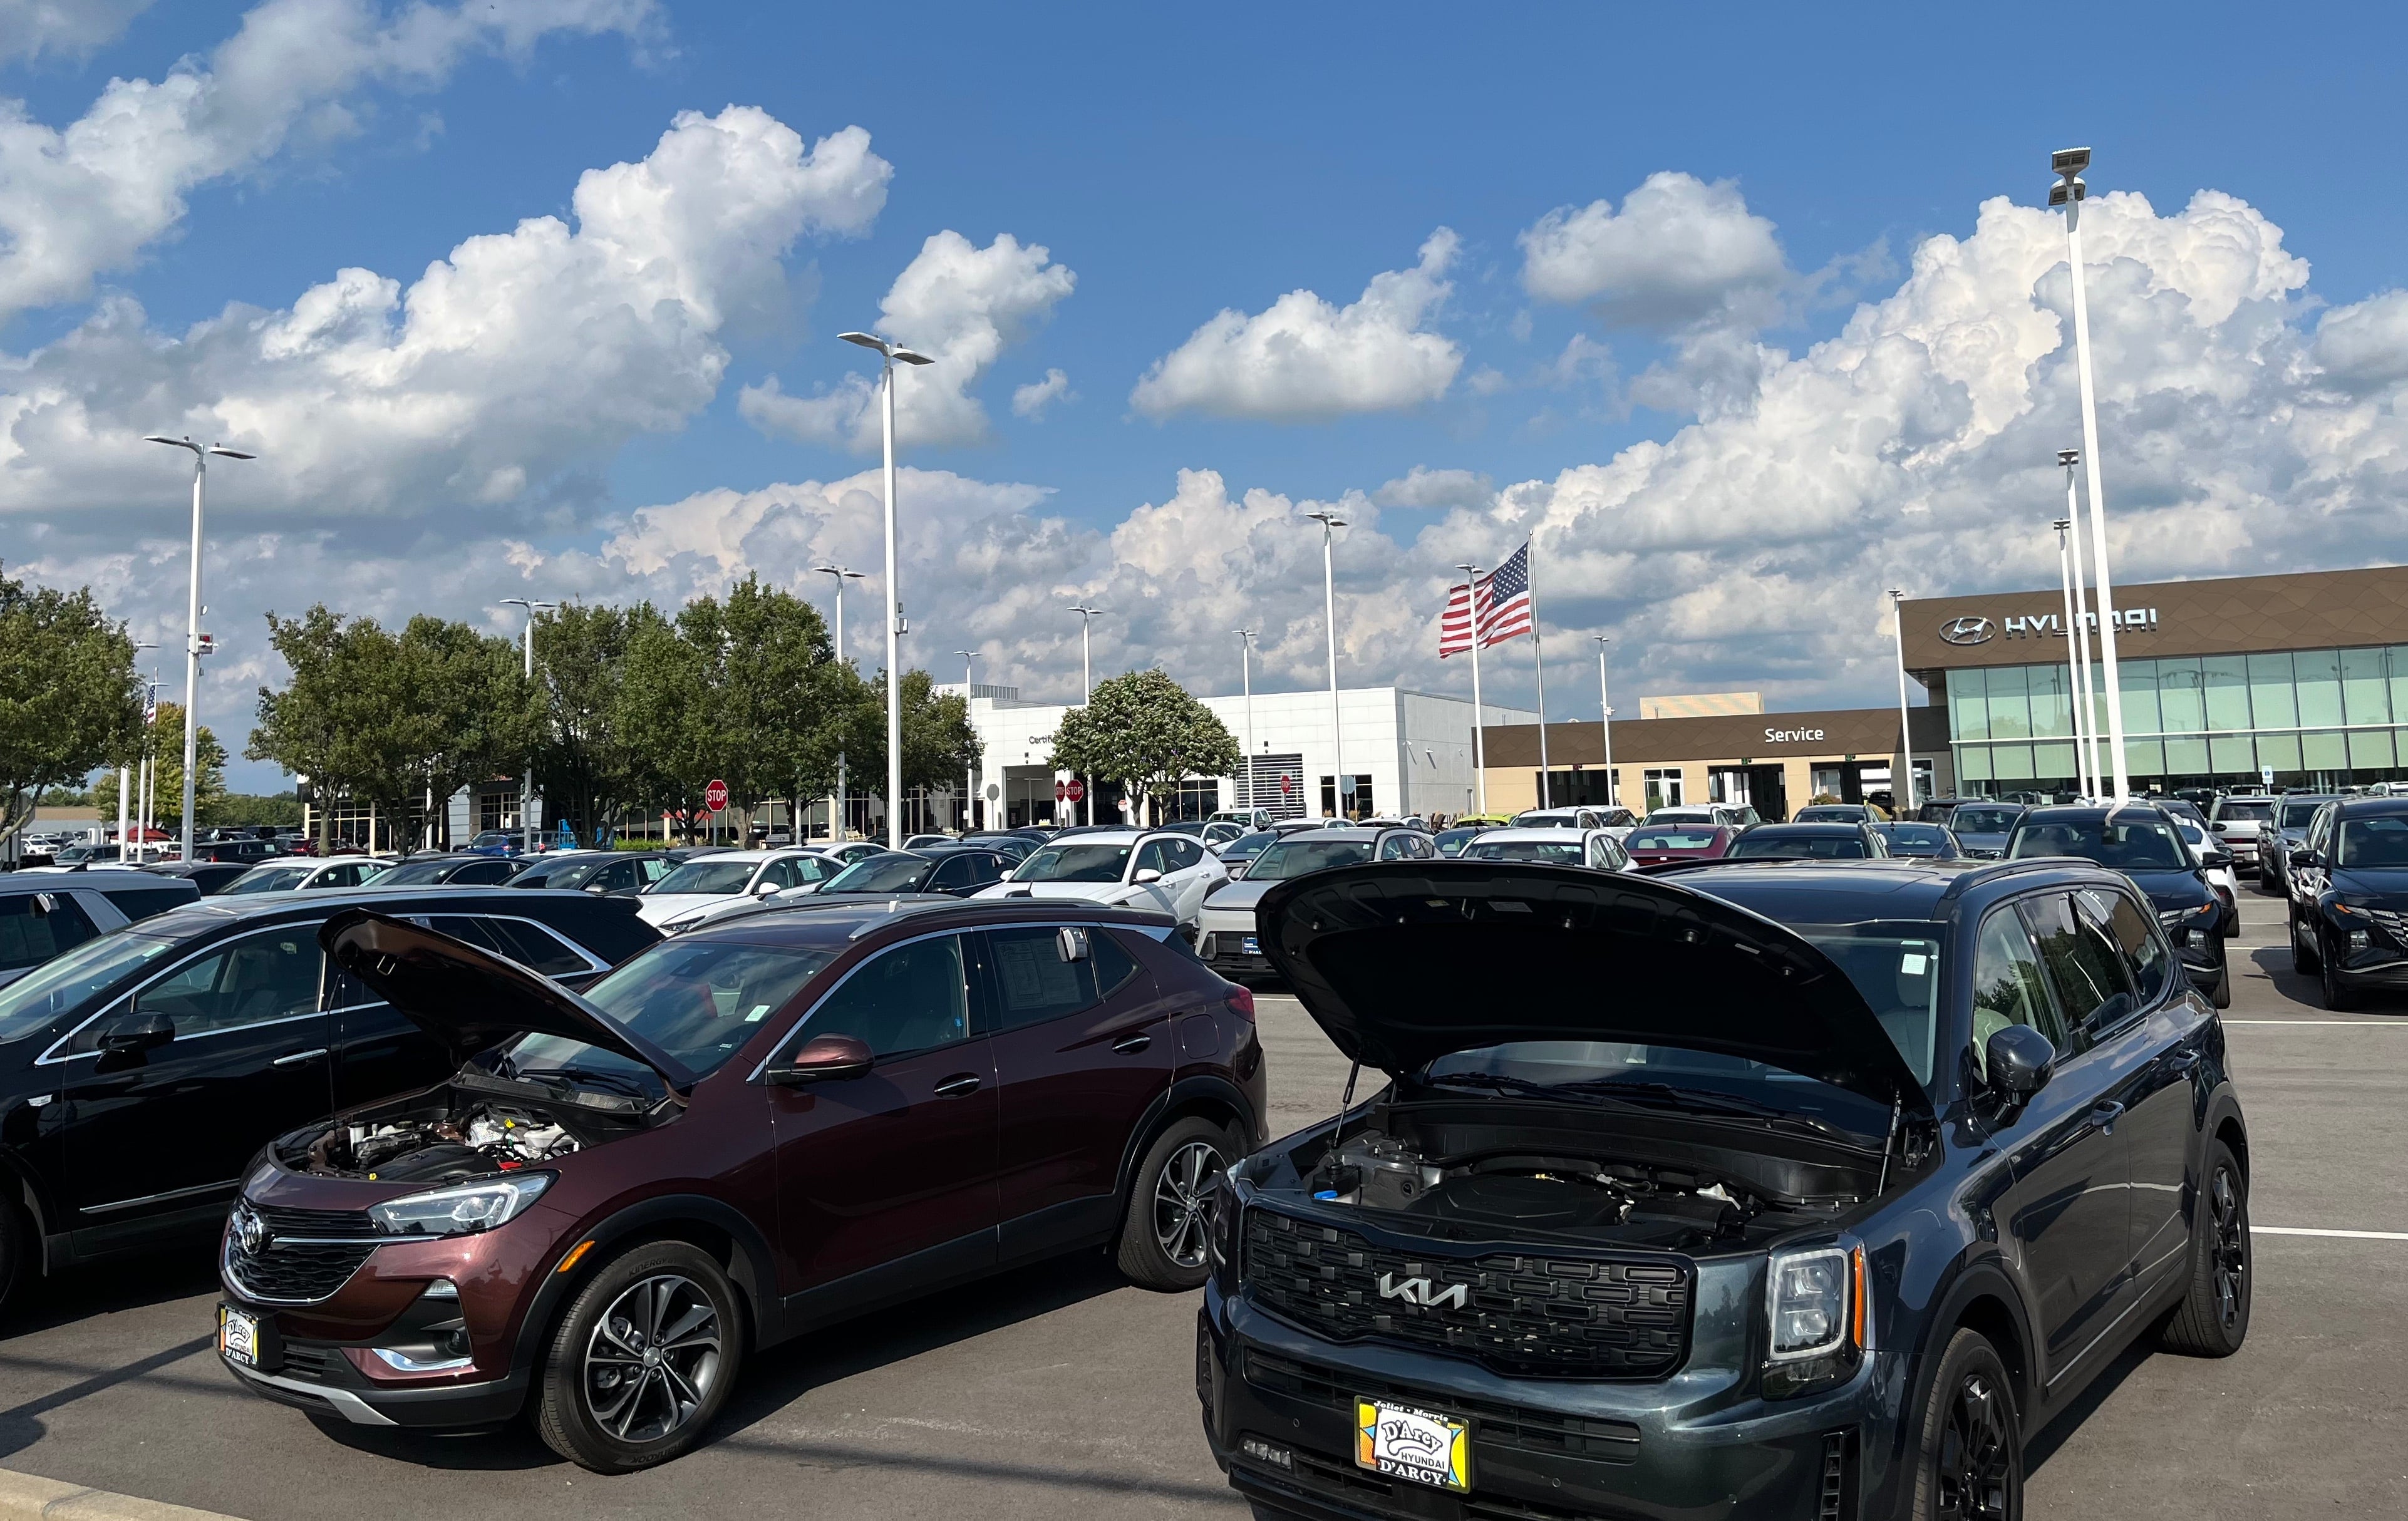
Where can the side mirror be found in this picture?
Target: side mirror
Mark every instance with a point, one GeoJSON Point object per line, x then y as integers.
{"type": "Point", "coordinates": [822, 1058]}
{"type": "Point", "coordinates": [596, 889]}
{"type": "Point", "coordinates": [2020, 1060]}
{"type": "Point", "coordinates": [1238, 870]}
{"type": "Point", "coordinates": [764, 889]}
{"type": "Point", "coordinates": [138, 1032]}
{"type": "Point", "coordinates": [1147, 874]}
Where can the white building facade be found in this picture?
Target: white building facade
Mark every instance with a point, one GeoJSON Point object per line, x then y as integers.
{"type": "Point", "coordinates": [1402, 751]}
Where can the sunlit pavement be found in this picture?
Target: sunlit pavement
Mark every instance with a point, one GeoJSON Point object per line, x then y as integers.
{"type": "Point", "coordinates": [1058, 1392]}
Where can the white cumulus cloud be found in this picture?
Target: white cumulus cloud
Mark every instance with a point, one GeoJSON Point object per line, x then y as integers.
{"type": "Point", "coordinates": [79, 201]}
{"type": "Point", "coordinates": [958, 304]}
{"type": "Point", "coordinates": [1030, 400]}
{"type": "Point", "coordinates": [1679, 251]}
{"type": "Point", "coordinates": [1304, 360]}
{"type": "Point", "coordinates": [29, 28]}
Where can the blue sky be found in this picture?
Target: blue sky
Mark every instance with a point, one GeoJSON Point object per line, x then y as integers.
{"type": "Point", "coordinates": [1179, 165]}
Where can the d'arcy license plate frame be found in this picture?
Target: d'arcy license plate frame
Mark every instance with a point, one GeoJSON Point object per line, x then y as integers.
{"type": "Point", "coordinates": [1419, 1446]}
{"type": "Point", "coordinates": [238, 1336]}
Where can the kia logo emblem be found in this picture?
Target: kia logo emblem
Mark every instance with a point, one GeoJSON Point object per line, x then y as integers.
{"type": "Point", "coordinates": [1968, 630]}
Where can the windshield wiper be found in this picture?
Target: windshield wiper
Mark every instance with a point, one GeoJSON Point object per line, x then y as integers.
{"type": "Point", "coordinates": [1560, 1092]}
{"type": "Point", "coordinates": [1708, 1101]}
{"type": "Point", "coordinates": [569, 1076]}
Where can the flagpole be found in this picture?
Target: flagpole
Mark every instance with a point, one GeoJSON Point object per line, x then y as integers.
{"type": "Point", "coordinates": [1539, 669]}
{"type": "Point", "coordinates": [1479, 747]}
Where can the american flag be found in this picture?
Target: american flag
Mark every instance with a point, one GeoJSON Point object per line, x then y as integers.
{"type": "Point", "coordinates": [1505, 600]}
{"type": "Point", "coordinates": [1454, 626]}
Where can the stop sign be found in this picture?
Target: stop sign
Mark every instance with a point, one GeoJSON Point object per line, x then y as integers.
{"type": "Point", "coordinates": [714, 796]}
{"type": "Point", "coordinates": [1074, 789]}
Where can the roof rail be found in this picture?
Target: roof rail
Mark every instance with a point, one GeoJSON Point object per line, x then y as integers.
{"type": "Point", "coordinates": [1992, 871]}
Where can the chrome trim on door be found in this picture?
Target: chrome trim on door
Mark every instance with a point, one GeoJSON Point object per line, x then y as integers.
{"type": "Point", "coordinates": [193, 1192]}
{"type": "Point", "coordinates": [298, 1057]}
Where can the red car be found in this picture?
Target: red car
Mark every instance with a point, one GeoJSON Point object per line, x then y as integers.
{"type": "Point", "coordinates": [737, 1136]}
{"type": "Point", "coordinates": [1652, 844]}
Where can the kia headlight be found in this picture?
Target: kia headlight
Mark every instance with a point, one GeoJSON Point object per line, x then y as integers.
{"type": "Point", "coordinates": [463, 1211]}
{"type": "Point", "coordinates": [1811, 1303]}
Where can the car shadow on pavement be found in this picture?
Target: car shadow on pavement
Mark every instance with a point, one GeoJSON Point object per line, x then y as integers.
{"type": "Point", "coordinates": [2044, 1443]}
{"type": "Point", "coordinates": [177, 1273]}
{"type": "Point", "coordinates": [773, 1380]}
{"type": "Point", "coordinates": [2307, 993]}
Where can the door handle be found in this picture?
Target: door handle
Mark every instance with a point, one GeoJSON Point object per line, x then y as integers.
{"type": "Point", "coordinates": [1129, 1045]}
{"type": "Point", "coordinates": [2105, 1115]}
{"type": "Point", "coordinates": [2180, 1062]}
{"type": "Point", "coordinates": [299, 1056]}
{"type": "Point", "coordinates": [953, 1088]}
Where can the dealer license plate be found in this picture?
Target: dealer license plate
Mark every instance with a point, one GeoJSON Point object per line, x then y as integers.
{"type": "Point", "coordinates": [1419, 1446]}
{"type": "Point", "coordinates": [1251, 945]}
{"type": "Point", "coordinates": [238, 1336]}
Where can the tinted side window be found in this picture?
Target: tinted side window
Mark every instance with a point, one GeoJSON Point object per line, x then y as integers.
{"type": "Point", "coordinates": [30, 935]}
{"type": "Point", "coordinates": [531, 945]}
{"type": "Point", "coordinates": [1151, 858]}
{"type": "Point", "coordinates": [2009, 987]}
{"type": "Point", "coordinates": [1113, 965]}
{"type": "Point", "coordinates": [1393, 848]}
{"type": "Point", "coordinates": [909, 999]}
{"type": "Point", "coordinates": [2084, 965]}
{"type": "Point", "coordinates": [140, 903]}
{"type": "Point", "coordinates": [1032, 983]}
{"type": "Point", "coordinates": [949, 875]}
{"type": "Point", "coordinates": [2147, 961]}
{"type": "Point", "coordinates": [265, 977]}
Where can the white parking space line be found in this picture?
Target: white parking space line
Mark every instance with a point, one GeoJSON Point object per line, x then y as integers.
{"type": "Point", "coordinates": [2347, 1235]}
{"type": "Point", "coordinates": [2362, 1024]}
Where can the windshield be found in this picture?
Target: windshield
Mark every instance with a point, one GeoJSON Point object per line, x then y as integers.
{"type": "Point", "coordinates": [1984, 821]}
{"type": "Point", "coordinates": [699, 1001]}
{"type": "Point", "coordinates": [1917, 839]}
{"type": "Point", "coordinates": [2128, 843]}
{"type": "Point", "coordinates": [1075, 863]}
{"type": "Point", "coordinates": [410, 871]}
{"type": "Point", "coordinates": [1766, 845]}
{"type": "Point", "coordinates": [1298, 857]}
{"type": "Point", "coordinates": [1545, 851]}
{"type": "Point", "coordinates": [894, 872]}
{"type": "Point", "coordinates": [1668, 837]}
{"type": "Point", "coordinates": [275, 879]}
{"type": "Point", "coordinates": [718, 878]}
{"type": "Point", "coordinates": [59, 984]}
{"type": "Point", "coordinates": [2381, 841]}
{"type": "Point", "coordinates": [1246, 847]}
{"type": "Point", "coordinates": [490, 840]}
{"type": "Point", "coordinates": [2295, 815]}
{"type": "Point", "coordinates": [2252, 813]}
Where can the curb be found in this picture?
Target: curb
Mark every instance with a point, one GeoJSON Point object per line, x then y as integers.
{"type": "Point", "coordinates": [24, 1497]}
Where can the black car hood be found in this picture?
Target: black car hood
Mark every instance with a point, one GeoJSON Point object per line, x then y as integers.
{"type": "Point", "coordinates": [1403, 962]}
{"type": "Point", "coordinates": [472, 1000]}
{"type": "Point", "coordinates": [2370, 881]}
{"type": "Point", "coordinates": [2169, 887]}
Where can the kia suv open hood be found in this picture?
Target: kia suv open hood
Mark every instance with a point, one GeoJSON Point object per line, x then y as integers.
{"type": "Point", "coordinates": [1403, 962]}
{"type": "Point", "coordinates": [472, 1000]}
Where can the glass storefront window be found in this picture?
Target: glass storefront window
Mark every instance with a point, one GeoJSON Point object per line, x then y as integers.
{"type": "Point", "coordinates": [2323, 752]}
{"type": "Point", "coordinates": [2012, 763]}
{"type": "Point", "coordinates": [1974, 764]}
{"type": "Point", "coordinates": [2053, 761]}
{"type": "Point", "coordinates": [2397, 660]}
{"type": "Point", "coordinates": [2231, 755]}
{"type": "Point", "coordinates": [2052, 706]}
{"type": "Point", "coordinates": [2370, 750]}
{"type": "Point", "coordinates": [2010, 703]}
{"type": "Point", "coordinates": [2271, 698]}
{"type": "Point", "coordinates": [2365, 687]}
{"type": "Point", "coordinates": [2318, 683]}
{"type": "Point", "coordinates": [2142, 758]}
{"type": "Point", "coordinates": [1969, 709]}
{"type": "Point", "coordinates": [2186, 757]}
{"type": "Point", "coordinates": [2182, 705]}
{"type": "Point", "coordinates": [2226, 679]}
{"type": "Point", "coordinates": [2279, 751]}
{"type": "Point", "coordinates": [2140, 679]}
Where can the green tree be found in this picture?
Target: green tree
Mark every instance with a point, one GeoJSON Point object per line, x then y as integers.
{"type": "Point", "coordinates": [69, 699]}
{"type": "Point", "coordinates": [163, 742]}
{"type": "Point", "coordinates": [584, 767]}
{"type": "Point", "coordinates": [1144, 731]}
{"type": "Point", "coordinates": [306, 728]}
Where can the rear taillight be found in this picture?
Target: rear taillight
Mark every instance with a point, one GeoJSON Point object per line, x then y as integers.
{"type": "Point", "coordinates": [1242, 1003]}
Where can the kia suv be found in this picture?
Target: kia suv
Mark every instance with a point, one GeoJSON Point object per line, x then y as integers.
{"type": "Point", "coordinates": [1863, 1173]}
{"type": "Point", "coordinates": [740, 1135]}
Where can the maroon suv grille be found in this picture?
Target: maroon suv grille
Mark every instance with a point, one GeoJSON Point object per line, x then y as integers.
{"type": "Point", "coordinates": [309, 1253]}
{"type": "Point", "coordinates": [1561, 1316]}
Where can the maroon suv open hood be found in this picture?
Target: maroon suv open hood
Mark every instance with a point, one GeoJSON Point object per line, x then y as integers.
{"type": "Point", "coordinates": [471, 999]}
{"type": "Point", "coordinates": [1403, 962]}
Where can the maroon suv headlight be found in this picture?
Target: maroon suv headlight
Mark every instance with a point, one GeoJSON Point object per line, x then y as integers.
{"type": "Point", "coordinates": [461, 1210]}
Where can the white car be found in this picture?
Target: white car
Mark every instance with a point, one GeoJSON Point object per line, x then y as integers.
{"type": "Point", "coordinates": [1225, 929]}
{"type": "Point", "coordinates": [307, 875]}
{"type": "Point", "coordinates": [679, 900]}
{"type": "Point", "coordinates": [1729, 815]}
{"type": "Point", "coordinates": [1136, 869]}
{"type": "Point", "coordinates": [2215, 860]}
{"type": "Point", "coordinates": [1599, 849]}
{"type": "Point", "coordinates": [1621, 820]}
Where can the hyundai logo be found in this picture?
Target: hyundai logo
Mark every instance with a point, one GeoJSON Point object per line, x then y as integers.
{"type": "Point", "coordinates": [1418, 1291]}
{"type": "Point", "coordinates": [250, 1230]}
{"type": "Point", "coordinates": [1968, 630]}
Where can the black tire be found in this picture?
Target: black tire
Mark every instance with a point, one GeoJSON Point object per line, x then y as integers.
{"type": "Point", "coordinates": [1166, 1237]}
{"type": "Point", "coordinates": [2220, 996]}
{"type": "Point", "coordinates": [2338, 998]}
{"type": "Point", "coordinates": [20, 1251]}
{"type": "Point", "coordinates": [1969, 1443]}
{"type": "Point", "coordinates": [633, 1330]}
{"type": "Point", "coordinates": [2303, 948]}
{"type": "Point", "coordinates": [2213, 1319]}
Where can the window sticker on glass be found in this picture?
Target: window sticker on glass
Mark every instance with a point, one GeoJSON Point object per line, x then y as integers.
{"type": "Point", "coordinates": [755, 1017]}
{"type": "Point", "coordinates": [1911, 964]}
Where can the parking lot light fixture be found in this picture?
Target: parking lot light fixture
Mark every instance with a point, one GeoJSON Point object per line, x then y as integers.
{"type": "Point", "coordinates": [1605, 722]}
{"type": "Point", "coordinates": [193, 647]}
{"type": "Point", "coordinates": [1087, 687]}
{"type": "Point", "coordinates": [889, 354]}
{"type": "Point", "coordinates": [1330, 522]}
{"type": "Point", "coordinates": [2066, 163]}
{"type": "Point", "coordinates": [2085, 751]}
{"type": "Point", "coordinates": [1479, 736]}
{"type": "Point", "coordinates": [2088, 731]}
{"type": "Point", "coordinates": [1905, 739]}
{"type": "Point", "coordinates": [1246, 683]}
{"type": "Point", "coordinates": [969, 777]}
{"type": "Point", "coordinates": [842, 575]}
{"type": "Point", "coordinates": [526, 779]}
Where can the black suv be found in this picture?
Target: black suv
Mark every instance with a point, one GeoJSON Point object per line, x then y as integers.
{"type": "Point", "coordinates": [141, 1070]}
{"type": "Point", "coordinates": [2349, 903]}
{"type": "Point", "coordinates": [2143, 842]}
{"type": "Point", "coordinates": [1861, 1175]}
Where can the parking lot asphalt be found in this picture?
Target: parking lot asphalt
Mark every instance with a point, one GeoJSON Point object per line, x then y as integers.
{"type": "Point", "coordinates": [1059, 1391]}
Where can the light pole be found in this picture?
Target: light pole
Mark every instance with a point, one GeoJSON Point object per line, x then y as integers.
{"type": "Point", "coordinates": [1605, 724]}
{"type": "Point", "coordinates": [2082, 774]}
{"type": "Point", "coordinates": [836, 821]}
{"type": "Point", "coordinates": [2087, 732]}
{"type": "Point", "coordinates": [888, 353]}
{"type": "Point", "coordinates": [1330, 522]}
{"type": "Point", "coordinates": [124, 774]}
{"type": "Point", "coordinates": [2069, 193]}
{"type": "Point", "coordinates": [526, 779]}
{"type": "Point", "coordinates": [969, 778]}
{"type": "Point", "coordinates": [194, 648]}
{"type": "Point", "coordinates": [1905, 739]}
{"type": "Point", "coordinates": [1246, 680]}
{"type": "Point", "coordinates": [1479, 740]}
{"type": "Point", "coordinates": [1087, 685]}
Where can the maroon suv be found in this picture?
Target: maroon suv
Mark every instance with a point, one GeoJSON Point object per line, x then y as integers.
{"type": "Point", "coordinates": [737, 1134]}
